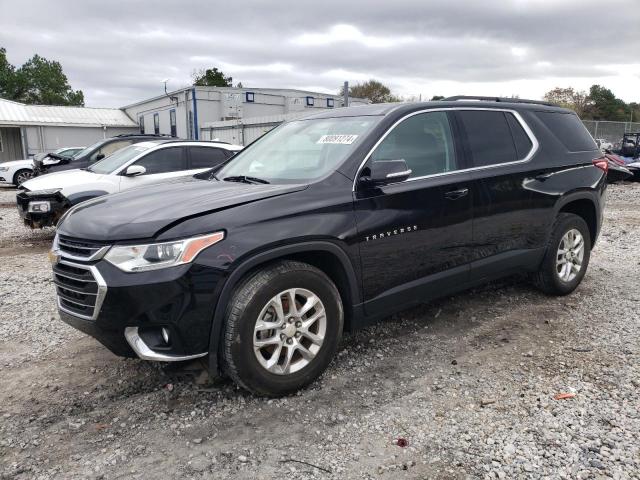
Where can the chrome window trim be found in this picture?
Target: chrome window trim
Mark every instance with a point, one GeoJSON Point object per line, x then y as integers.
{"type": "Point", "coordinates": [102, 291]}
{"type": "Point", "coordinates": [534, 142]}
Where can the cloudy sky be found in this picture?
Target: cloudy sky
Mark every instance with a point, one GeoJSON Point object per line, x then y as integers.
{"type": "Point", "coordinates": [119, 52]}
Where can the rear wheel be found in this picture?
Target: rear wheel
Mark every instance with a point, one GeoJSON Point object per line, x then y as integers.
{"type": "Point", "coordinates": [282, 328]}
{"type": "Point", "coordinates": [22, 176]}
{"type": "Point", "coordinates": [567, 257]}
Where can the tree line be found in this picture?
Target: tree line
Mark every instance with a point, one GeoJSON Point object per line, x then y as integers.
{"type": "Point", "coordinates": [37, 81]}
{"type": "Point", "coordinates": [599, 103]}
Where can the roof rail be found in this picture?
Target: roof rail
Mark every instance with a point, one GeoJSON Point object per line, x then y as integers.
{"type": "Point", "coordinates": [142, 135]}
{"type": "Point", "coordinates": [497, 99]}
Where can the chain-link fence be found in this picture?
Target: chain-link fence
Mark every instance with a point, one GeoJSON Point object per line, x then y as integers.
{"type": "Point", "coordinates": [610, 131]}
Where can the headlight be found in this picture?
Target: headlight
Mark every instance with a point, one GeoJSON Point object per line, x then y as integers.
{"type": "Point", "coordinates": [4, 169]}
{"type": "Point", "coordinates": [39, 207]}
{"type": "Point", "coordinates": [139, 258]}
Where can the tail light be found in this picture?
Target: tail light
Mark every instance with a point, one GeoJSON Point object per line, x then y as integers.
{"type": "Point", "coordinates": [601, 163]}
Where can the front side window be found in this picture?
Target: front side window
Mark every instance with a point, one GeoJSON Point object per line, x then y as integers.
{"type": "Point", "coordinates": [117, 160]}
{"type": "Point", "coordinates": [301, 150]}
{"type": "Point", "coordinates": [164, 160]}
{"type": "Point", "coordinates": [490, 137]}
{"type": "Point", "coordinates": [423, 141]}
{"type": "Point", "coordinates": [112, 147]}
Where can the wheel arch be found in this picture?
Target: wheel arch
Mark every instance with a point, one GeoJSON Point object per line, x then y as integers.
{"type": "Point", "coordinates": [324, 255]}
{"type": "Point", "coordinates": [15, 175]}
{"type": "Point", "coordinates": [585, 206]}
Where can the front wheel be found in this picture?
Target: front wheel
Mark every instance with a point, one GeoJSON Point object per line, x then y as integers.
{"type": "Point", "coordinates": [22, 176]}
{"type": "Point", "coordinates": [567, 257]}
{"type": "Point", "coordinates": [282, 328]}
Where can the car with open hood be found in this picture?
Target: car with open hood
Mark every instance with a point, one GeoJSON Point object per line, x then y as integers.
{"type": "Point", "coordinates": [43, 200]}
{"type": "Point", "coordinates": [16, 172]}
{"type": "Point", "coordinates": [329, 223]}
{"type": "Point", "coordinates": [89, 155]}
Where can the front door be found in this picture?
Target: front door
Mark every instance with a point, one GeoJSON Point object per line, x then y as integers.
{"type": "Point", "coordinates": [415, 236]}
{"type": "Point", "coordinates": [160, 165]}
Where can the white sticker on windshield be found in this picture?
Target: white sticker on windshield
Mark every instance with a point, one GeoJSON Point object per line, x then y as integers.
{"type": "Point", "coordinates": [338, 139]}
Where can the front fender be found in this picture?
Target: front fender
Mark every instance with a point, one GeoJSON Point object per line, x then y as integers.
{"type": "Point", "coordinates": [250, 263]}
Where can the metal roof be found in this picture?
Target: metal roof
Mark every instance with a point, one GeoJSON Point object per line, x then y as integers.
{"type": "Point", "coordinates": [14, 113]}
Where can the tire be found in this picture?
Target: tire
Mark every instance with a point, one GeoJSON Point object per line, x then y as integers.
{"type": "Point", "coordinates": [22, 176]}
{"type": "Point", "coordinates": [258, 369]}
{"type": "Point", "coordinates": [551, 278]}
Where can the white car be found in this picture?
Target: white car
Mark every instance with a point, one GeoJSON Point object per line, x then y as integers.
{"type": "Point", "coordinates": [604, 144]}
{"type": "Point", "coordinates": [18, 171]}
{"type": "Point", "coordinates": [44, 199]}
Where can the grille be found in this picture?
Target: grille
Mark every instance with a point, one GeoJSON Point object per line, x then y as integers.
{"type": "Point", "coordinates": [82, 249]}
{"type": "Point", "coordinates": [78, 290]}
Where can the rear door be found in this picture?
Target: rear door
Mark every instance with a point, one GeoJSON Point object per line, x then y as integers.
{"type": "Point", "coordinates": [160, 165]}
{"type": "Point", "coordinates": [202, 158]}
{"type": "Point", "coordinates": [415, 236]}
{"type": "Point", "coordinates": [499, 147]}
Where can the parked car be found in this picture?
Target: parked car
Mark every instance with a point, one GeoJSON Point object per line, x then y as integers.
{"type": "Point", "coordinates": [617, 170]}
{"type": "Point", "coordinates": [328, 223]}
{"type": "Point", "coordinates": [44, 199]}
{"type": "Point", "coordinates": [67, 152]}
{"type": "Point", "coordinates": [91, 154]}
{"type": "Point", "coordinates": [18, 171]}
{"type": "Point", "coordinates": [603, 144]}
{"type": "Point", "coordinates": [634, 168]}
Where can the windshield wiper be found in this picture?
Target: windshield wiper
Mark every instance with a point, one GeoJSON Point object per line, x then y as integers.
{"type": "Point", "coordinates": [244, 179]}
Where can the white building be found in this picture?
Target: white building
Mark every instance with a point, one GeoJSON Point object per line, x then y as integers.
{"type": "Point", "coordinates": [189, 112]}
{"type": "Point", "coordinates": [29, 129]}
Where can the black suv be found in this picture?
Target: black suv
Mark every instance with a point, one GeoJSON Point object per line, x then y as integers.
{"type": "Point", "coordinates": [329, 223]}
{"type": "Point", "coordinates": [91, 154]}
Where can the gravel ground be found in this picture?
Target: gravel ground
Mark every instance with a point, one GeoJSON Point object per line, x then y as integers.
{"type": "Point", "coordinates": [468, 382]}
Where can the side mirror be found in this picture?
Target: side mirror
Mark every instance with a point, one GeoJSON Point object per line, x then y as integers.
{"type": "Point", "coordinates": [384, 172]}
{"type": "Point", "coordinates": [100, 156]}
{"type": "Point", "coordinates": [134, 171]}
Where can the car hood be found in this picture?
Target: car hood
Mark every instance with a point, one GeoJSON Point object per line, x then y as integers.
{"type": "Point", "coordinates": [142, 212]}
{"type": "Point", "coordinates": [17, 163]}
{"type": "Point", "coordinates": [61, 180]}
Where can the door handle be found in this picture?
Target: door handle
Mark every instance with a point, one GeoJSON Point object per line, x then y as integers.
{"type": "Point", "coordinates": [456, 194]}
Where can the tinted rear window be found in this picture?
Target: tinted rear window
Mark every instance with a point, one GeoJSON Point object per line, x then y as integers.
{"type": "Point", "coordinates": [489, 137]}
{"type": "Point", "coordinates": [520, 137]}
{"type": "Point", "coordinates": [568, 128]}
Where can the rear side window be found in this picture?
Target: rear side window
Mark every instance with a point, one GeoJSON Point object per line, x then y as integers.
{"type": "Point", "coordinates": [424, 141]}
{"type": "Point", "coordinates": [206, 157]}
{"type": "Point", "coordinates": [164, 161]}
{"type": "Point", "coordinates": [568, 128]}
{"type": "Point", "coordinates": [489, 137]}
{"type": "Point", "coordinates": [520, 137]}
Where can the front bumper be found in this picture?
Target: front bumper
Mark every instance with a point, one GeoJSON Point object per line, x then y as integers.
{"type": "Point", "coordinates": [58, 204]}
{"type": "Point", "coordinates": [127, 311]}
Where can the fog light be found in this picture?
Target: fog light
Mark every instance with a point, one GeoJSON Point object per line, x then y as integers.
{"type": "Point", "coordinates": [39, 207]}
{"type": "Point", "coordinates": [165, 335]}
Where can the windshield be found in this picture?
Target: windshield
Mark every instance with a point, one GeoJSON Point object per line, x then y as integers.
{"type": "Point", "coordinates": [89, 149]}
{"type": "Point", "coordinates": [299, 151]}
{"type": "Point", "coordinates": [117, 159]}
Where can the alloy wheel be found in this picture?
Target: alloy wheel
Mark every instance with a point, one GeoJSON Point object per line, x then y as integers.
{"type": "Point", "coordinates": [289, 331]}
{"type": "Point", "coordinates": [23, 177]}
{"type": "Point", "coordinates": [570, 255]}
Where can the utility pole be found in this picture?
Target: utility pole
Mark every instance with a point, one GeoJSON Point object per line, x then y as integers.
{"type": "Point", "coordinates": [346, 94]}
